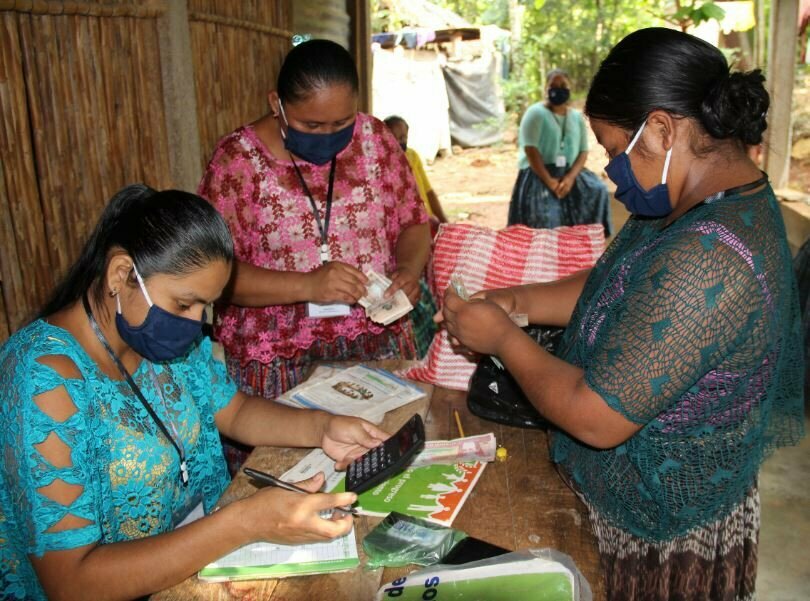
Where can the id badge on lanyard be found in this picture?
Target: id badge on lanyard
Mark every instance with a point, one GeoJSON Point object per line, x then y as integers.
{"type": "Point", "coordinates": [323, 310]}
{"type": "Point", "coordinates": [184, 516]}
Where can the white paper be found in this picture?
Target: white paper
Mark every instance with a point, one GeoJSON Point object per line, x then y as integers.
{"type": "Point", "coordinates": [322, 310]}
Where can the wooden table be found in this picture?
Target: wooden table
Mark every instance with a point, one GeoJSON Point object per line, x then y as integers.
{"type": "Point", "coordinates": [517, 504]}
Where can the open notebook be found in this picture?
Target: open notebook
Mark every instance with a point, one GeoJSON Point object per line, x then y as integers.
{"type": "Point", "coordinates": [268, 560]}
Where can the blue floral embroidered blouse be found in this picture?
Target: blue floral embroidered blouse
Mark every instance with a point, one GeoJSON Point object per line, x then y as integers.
{"type": "Point", "coordinates": [127, 470]}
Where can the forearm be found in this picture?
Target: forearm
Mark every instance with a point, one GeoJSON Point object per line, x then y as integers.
{"type": "Point", "coordinates": [536, 163]}
{"type": "Point", "coordinates": [252, 286]}
{"type": "Point", "coordinates": [579, 163]}
{"type": "Point", "coordinates": [256, 421]}
{"type": "Point", "coordinates": [559, 392]}
{"type": "Point", "coordinates": [132, 569]}
{"type": "Point", "coordinates": [436, 206]}
{"type": "Point", "coordinates": [550, 303]}
{"type": "Point", "coordinates": [413, 248]}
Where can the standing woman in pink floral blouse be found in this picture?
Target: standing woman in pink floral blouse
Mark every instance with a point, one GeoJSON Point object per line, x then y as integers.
{"type": "Point", "coordinates": [315, 195]}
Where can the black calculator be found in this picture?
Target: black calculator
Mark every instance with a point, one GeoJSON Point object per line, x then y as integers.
{"type": "Point", "coordinates": [388, 459]}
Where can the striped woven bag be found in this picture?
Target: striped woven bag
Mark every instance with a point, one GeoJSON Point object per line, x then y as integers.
{"type": "Point", "coordinates": [486, 259]}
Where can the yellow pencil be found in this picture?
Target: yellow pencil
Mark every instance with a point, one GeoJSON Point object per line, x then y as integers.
{"type": "Point", "coordinates": [458, 423]}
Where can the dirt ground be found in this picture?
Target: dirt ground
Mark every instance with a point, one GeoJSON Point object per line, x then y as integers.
{"type": "Point", "coordinates": [474, 185]}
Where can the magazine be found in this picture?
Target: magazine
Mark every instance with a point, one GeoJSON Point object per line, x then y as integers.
{"type": "Point", "coordinates": [360, 391]}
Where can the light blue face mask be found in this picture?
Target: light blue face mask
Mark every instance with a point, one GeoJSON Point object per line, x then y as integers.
{"type": "Point", "coordinates": [162, 336]}
{"type": "Point", "coordinates": [647, 203]}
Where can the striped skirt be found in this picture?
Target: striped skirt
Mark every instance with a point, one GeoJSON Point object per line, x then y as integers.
{"type": "Point", "coordinates": [534, 205]}
{"type": "Point", "coordinates": [716, 562]}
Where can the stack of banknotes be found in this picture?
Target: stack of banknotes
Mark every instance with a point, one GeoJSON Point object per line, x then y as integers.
{"type": "Point", "coordinates": [378, 308]}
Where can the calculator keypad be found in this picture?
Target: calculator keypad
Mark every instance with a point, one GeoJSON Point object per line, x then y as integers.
{"type": "Point", "coordinates": [379, 463]}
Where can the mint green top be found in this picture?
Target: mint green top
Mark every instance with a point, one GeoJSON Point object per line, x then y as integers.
{"type": "Point", "coordinates": [542, 129]}
{"type": "Point", "coordinates": [691, 331]}
{"type": "Point", "coordinates": [127, 472]}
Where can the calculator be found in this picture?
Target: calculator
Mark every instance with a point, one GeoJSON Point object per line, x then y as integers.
{"type": "Point", "coordinates": [388, 459]}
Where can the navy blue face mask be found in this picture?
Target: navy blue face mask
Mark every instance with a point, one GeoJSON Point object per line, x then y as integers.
{"type": "Point", "coordinates": [162, 336]}
{"type": "Point", "coordinates": [318, 149]}
{"type": "Point", "coordinates": [647, 203]}
{"type": "Point", "coordinates": [558, 96]}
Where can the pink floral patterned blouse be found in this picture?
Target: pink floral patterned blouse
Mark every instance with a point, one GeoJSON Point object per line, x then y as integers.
{"type": "Point", "coordinates": [271, 220]}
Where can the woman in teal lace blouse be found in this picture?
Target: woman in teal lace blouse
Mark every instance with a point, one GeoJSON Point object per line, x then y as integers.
{"type": "Point", "coordinates": [111, 405]}
{"type": "Point", "coordinates": [680, 369]}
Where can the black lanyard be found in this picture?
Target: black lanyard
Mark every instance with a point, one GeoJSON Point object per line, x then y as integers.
{"type": "Point", "coordinates": [323, 227]}
{"type": "Point", "coordinates": [100, 335]}
{"type": "Point", "coordinates": [727, 192]}
{"type": "Point", "coordinates": [737, 189]}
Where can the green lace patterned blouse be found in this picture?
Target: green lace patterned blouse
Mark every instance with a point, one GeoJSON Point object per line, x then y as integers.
{"type": "Point", "coordinates": [127, 470]}
{"type": "Point", "coordinates": [693, 332]}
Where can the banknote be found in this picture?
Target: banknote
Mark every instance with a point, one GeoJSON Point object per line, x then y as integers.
{"type": "Point", "coordinates": [459, 287]}
{"type": "Point", "coordinates": [458, 450]}
{"type": "Point", "coordinates": [378, 308]}
{"type": "Point", "coordinates": [520, 319]}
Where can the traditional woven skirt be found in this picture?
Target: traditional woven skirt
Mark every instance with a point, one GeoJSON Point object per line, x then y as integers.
{"type": "Point", "coordinates": [717, 562]}
{"type": "Point", "coordinates": [424, 328]}
{"type": "Point", "coordinates": [533, 203]}
{"type": "Point", "coordinates": [275, 378]}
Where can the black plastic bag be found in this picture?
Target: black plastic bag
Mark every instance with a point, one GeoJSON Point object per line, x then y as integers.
{"type": "Point", "coordinates": [494, 394]}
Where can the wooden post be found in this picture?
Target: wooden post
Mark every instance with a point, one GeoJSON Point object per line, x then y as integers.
{"type": "Point", "coordinates": [360, 47]}
{"type": "Point", "coordinates": [179, 98]}
{"type": "Point", "coordinates": [759, 35]}
{"type": "Point", "coordinates": [781, 72]}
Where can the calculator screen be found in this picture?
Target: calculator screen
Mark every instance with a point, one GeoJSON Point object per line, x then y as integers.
{"type": "Point", "coordinates": [404, 441]}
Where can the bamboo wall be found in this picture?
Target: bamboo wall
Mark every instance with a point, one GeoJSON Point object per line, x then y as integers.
{"type": "Point", "coordinates": [238, 48]}
{"type": "Point", "coordinates": [82, 113]}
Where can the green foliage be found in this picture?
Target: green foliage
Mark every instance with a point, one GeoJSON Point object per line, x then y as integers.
{"type": "Point", "coordinates": [691, 14]}
{"type": "Point", "coordinates": [574, 35]}
{"type": "Point", "coordinates": [480, 12]}
{"type": "Point", "coordinates": [384, 18]}
{"type": "Point", "coordinates": [571, 34]}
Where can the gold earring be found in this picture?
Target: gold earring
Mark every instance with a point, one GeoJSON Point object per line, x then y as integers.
{"type": "Point", "coordinates": [113, 292]}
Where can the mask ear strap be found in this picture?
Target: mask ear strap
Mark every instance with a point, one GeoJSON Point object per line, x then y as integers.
{"type": "Point", "coordinates": [635, 138]}
{"type": "Point", "coordinates": [141, 284]}
{"type": "Point", "coordinates": [666, 166]}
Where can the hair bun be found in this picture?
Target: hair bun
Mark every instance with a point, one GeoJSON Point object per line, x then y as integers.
{"type": "Point", "coordinates": [736, 107]}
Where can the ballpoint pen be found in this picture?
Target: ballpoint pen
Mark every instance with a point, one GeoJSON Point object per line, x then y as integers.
{"type": "Point", "coordinates": [273, 481]}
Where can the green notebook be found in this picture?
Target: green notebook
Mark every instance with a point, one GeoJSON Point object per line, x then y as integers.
{"type": "Point", "coordinates": [268, 560]}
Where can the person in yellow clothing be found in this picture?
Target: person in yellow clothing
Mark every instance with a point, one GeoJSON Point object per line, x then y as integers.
{"type": "Point", "coordinates": [399, 127]}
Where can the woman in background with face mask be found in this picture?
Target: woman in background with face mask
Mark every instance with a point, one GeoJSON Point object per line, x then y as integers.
{"type": "Point", "coordinates": [553, 188]}
{"type": "Point", "coordinates": [681, 365]}
{"type": "Point", "coordinates": [111, 405]}
{"type": "Point", "coordinates": [315, 194]}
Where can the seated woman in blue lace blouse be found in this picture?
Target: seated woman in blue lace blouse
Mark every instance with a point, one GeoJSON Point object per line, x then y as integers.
{"type": "Point", "coordinates": [111, 406]}
{"type": "Point", "coordinates": [680, 369]}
